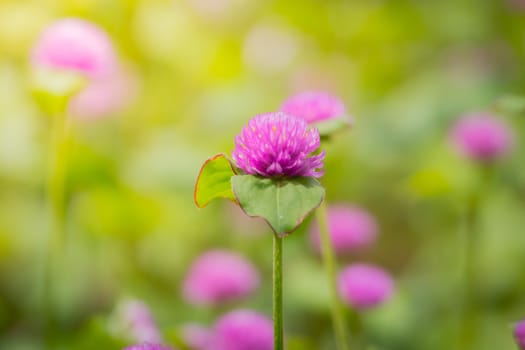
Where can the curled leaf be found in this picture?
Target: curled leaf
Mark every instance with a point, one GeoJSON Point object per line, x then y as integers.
{"type": "Point", "coordinates": [213, 181]}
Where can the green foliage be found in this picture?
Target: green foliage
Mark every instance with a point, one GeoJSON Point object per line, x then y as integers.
{"type": "Point", "coordinates": [283, 203]}
{"type": "Point", "coordinates": [213, 181]}
{"type": "Point", "coordinates": [406, 70]}
{"type": "Point", "coordinates": [54, 88]}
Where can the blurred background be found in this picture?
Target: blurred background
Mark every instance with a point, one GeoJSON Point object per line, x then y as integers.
{"type": "Point", "coordinates": [194, 72]}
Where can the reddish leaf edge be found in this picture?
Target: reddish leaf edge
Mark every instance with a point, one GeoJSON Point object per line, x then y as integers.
{"type": "Point", "coordinates": [196, 188]}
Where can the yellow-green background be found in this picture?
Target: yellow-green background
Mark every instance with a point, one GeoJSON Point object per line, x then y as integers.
{"type": "Point", "coordinates": [406, 69]}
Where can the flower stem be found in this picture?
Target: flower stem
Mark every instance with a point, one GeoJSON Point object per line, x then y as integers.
{"type": "Point", "coordinates": [358, 340]}
{"type": "Point", "coordinates": [277, 293]}
{"type": "Point", "coordinates": [55, 192]}
{"type": "Point", "coordinates": [57, 178]}
{"type": "Point", "coordinates": [338, 316]}
{"type": "Point", "coordinates": [470, 316]}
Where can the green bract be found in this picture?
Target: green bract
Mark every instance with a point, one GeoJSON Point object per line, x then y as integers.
{"type": "Point", "coordinates": [214, 180]}
{"type": "Point", "coordinates": [283, 203]}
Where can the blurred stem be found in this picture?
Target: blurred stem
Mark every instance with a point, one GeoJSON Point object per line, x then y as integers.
{"type": "Point", "coordinates": [277, 293]}
{"type": "Point", "coordinates": [338, 316]}
{"type": "Point", "coordinates": [55, 192]}
{"type": "Point", "coordinates": [358, 339]}
{"type": "Point", "coordinates": [57, 178]}
{"type": "Point", "coordinates": [470, 317]}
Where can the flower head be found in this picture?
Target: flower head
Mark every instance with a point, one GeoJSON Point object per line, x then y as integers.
{"type": "Point", "coordinates": [75, 44]}
{"type": "Point", "coordinates": [278, 145]}
{"type": "Point", "coordinates": [148, 346]}
{"type": "Point", "coordinates": [135, 320]}
{"type": "Point", "coordinates": [519, 334]}
{"type": "Point", "coordinates": [219, 276]}
{"type": "Point", "coordinates": [482, 137]}
{"type": "Point", "coordinates": [350, 228]}
{"type": "Point", "coordinates": [314, 106]}
{"type": "Point", "coordinates": [104, 96]}
{"type": "Point", "coordinates": [241, 330]}
{"type": "Point", "coordinates": [364, 286]}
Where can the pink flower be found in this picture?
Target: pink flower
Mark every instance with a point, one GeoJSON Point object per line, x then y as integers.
{"type": "Point", "coordinates": [314, 106]}
{"type": "Point", "coordinates": [351, 228]}
{"type": "Point", "coordinates": [242, 330]}
{"type": "Point", "coordinates": [482, 137]}
{"type": "Point", "coordinates": [519, 334]}
{"type": "Point", "coordinates": [197, 337]}
{"type": "Point", "coordinates": [147, 346]}
{"type": "Point", "coordinates": [218, 277]}
{"type": "Point", "coordinates": [104, 96]}
{"type": "Point", "coordinates": [278, 145]}
{"type": "Point", "coordinates": [364, 286]}
{"type": "Point", "coordinates": [75, 44]}
{"type": "Point", "coordinates": [136, 320]}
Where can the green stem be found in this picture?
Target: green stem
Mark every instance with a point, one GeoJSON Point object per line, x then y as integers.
{"type": "Point", "coordinates": [55, 192]}
{"type": "Point", "coordinates": [277, 293]}
{"type": "Point", "coordinates": [358, 340]}
{"type": "Point", "coordinates": [470, 316]}
{"type": "Point", "coordinates": [338, 316]}
{"type": "Point", "coordinates": [57, 178]}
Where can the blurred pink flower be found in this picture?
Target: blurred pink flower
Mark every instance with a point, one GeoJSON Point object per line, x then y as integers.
{"type": "Point", "coordinates": [218, 277]}
{"type": "Point", "coordinates": [314, 106]}
{"type": "Point", "coordinates": [75, 44]}
{"type": "Point", "coordinates": [364, 286]}
{"type": "Point", "coordinates": [147, 346]}
{"type": "Point", "coordinates": [278, 145]}
{"type": "Point", "coordinates": [104, 96]}
{"type": "Point", "coordinates": [519, 334]}
{"type": "Point", "coordinates": [351, 228]}
{"type": "Point", "coordinates": [196, 336]}
{"type": "Point", "coordinates": [136, 320]}
{"type": "Point", "coordinates": [242, 330]}
{"type": "Point", "coordinates": [482, 137]}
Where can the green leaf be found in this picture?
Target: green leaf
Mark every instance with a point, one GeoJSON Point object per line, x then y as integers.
{"type": "Point", "coordinates": [330, 126]}
{"type": "Point", "coordinates": [283, 203]}
{"type": "Point", "coordinates": [214, 180]}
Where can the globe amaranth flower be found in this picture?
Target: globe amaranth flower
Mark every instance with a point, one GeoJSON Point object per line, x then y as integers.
{"type": "Point", "coordinates": [482, 137]}
{"type": "Point", "coordinates": [77, 45]}
{"type": "Point", "coordinates": [242, 330]}
{"type": "Point", "coordinates": [136, 322]}
{"type": "Point", "coordinates": [104, 96]}
{"type": "Point", "coordinates": [218, 277]}
{"type": "Point", "coordinates": [364, 286]}
{"type": "Point", "coordinates": [196, 336]}
{"type": "Point", "coordinates": [519, 334]}
{"type": "Point", "coordinates": [278, 145]}
{"type": "Point", "coordinates": [148, 346]}
{"type": "Point", "coordinates": [314, 106]}
{"type": "Point", "coordinates": [351, 228]}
